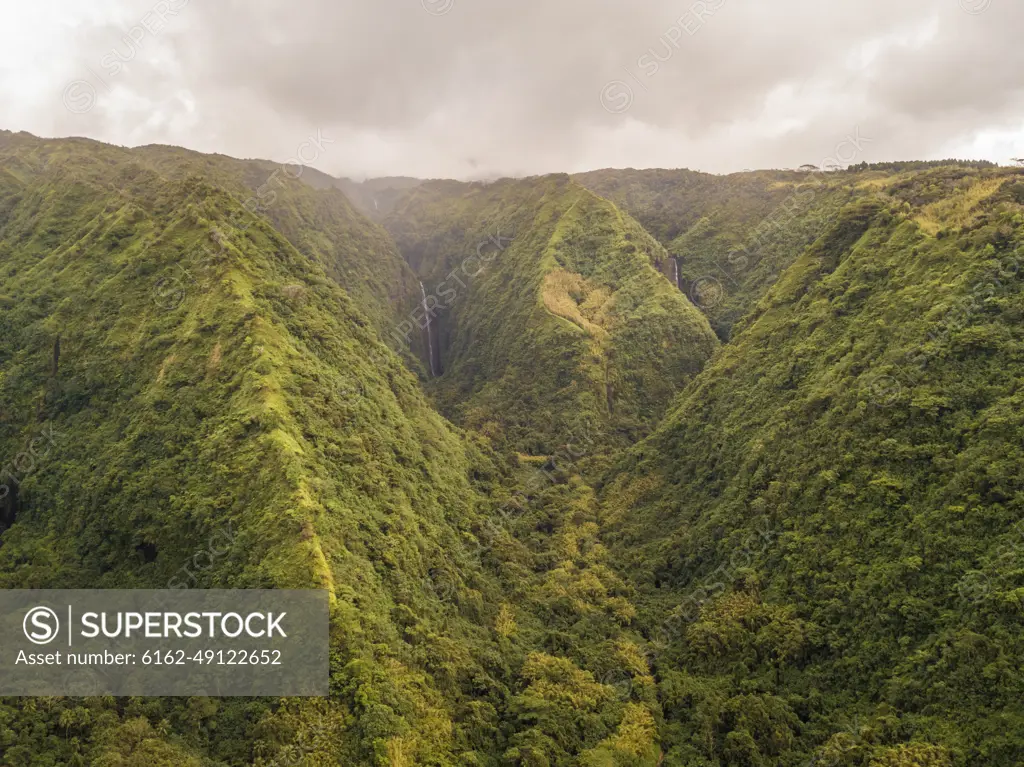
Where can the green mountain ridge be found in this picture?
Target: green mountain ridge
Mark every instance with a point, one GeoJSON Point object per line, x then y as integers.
{"type": "Point", "coordinates": [321, 224]}
{"type": "Point", "coordinates": [222, 415]}
{"type": "Point", "coordinates": [625, 541]}
{"type": "Point", "coordinates": [588, 331]}
{"type": "Point", "coordinates": [732, 236]}
{"type": "Point", "coordinates": [827, 561]}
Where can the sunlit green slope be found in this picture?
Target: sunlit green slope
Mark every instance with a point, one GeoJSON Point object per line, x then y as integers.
{"type": "Point", "coordinates": [220, 413]}
{"type": "Point", "coordinates": [815, 555]}
{"type": "Point", "coordinates": [191, 397]}
{"type": "Point", "coordinates": [732, 236]}
{"type": "Point", "coordinates": [562, 318]}
{"type": "Point", "coordinates": [826, 530]}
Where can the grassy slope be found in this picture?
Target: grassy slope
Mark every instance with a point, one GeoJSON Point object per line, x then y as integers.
{"type": "Point", "coordinates": [211, 411]}
{"type": "Point", "coordinates": [226, 415]}
{"type": "Point", "coordinates": [568, 327]}
{"type": "Point", "coordinates": [734, 235]}
{"type": "Point", "coordinates": [318, 220]}
{"type": "Point", "coordinates": [703, 220]}
{"type": "Point", "coordinates": [825, 531]}
{"type": "Point", "coordinates": [250, 397]}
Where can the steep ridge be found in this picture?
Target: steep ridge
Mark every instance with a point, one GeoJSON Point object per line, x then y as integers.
{"type": "Point", "coordinates": [669, 202]}
{"type": "Point", "coordinates": [815, 555]}
{"type": "Point", "coordinates": [217, 411]}
{"type": "Point", "coordinates": [301, 203]}
{"type": "Point", "coordinates": [212, 419]}
{"type": "Point", "coordinates": [730, 237]}
{"type": "Point", "coordinates": [552, 316]}
{"type": "Point", "coordinates": [715, 228]}
{"type": "Point", "coordinates": [825, 531]}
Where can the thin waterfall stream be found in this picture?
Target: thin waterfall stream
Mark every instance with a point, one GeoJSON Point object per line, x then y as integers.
{"type": "Point", "coordinates": [430, 341]}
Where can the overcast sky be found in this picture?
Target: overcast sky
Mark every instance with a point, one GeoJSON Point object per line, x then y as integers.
{"type": "Point", "coordinates": [475, 88]}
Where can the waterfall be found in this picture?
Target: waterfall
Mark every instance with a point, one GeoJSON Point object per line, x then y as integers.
{"type": "Point", "coordinates": [675, 272]}
{"type": "Point", "coordinates": [430, 341]}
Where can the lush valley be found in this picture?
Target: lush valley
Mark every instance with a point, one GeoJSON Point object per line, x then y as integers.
{"type": "Point", "coordinates": [567, 516]}
{"type": "Point", "coordinates": [552, 317]}
{"type": "Point", "coordinates": [826, 530]}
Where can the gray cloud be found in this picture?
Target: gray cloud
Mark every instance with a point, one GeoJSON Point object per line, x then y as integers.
{"type": "Point", "coordinates": [470, 88]}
